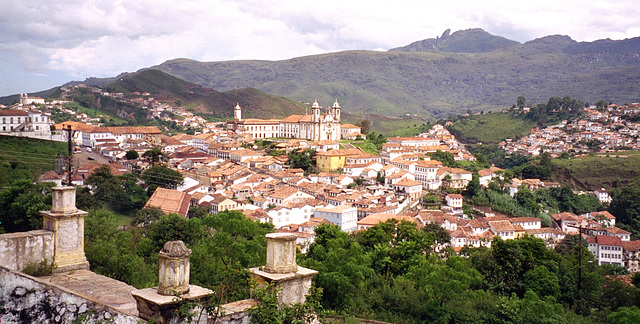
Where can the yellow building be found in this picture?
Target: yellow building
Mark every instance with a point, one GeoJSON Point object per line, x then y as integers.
{"type": "Point", "coordinates": [335, 159]}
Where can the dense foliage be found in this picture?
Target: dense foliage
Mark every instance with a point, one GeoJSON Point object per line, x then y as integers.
{"type": "Point", "coordinates": [119, 193]}
{"type": "Point", "coordinates": [302, 160]}
{"type": "Point", "coordinates": [224, 245]}
{"type": "Point", "coordinates": [26, 158]}
{"type": "Point", "coordinates": [21, 203]}
{"type": "Point", "coordinates": [395, 272]}
{"type": "Point", "coordinates": [625, 205]}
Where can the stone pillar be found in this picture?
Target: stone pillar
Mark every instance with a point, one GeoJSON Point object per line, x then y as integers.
{"type": "Point", "coordinates": [282, 271]}
{"type": "Point", "coordinates": [174, 269]}
{"type": "Point", "coordinates": [281, 253]}
{"type": "Point", "coordinates": [159, 304]}
{"type": "Point", "coordinates": [67, 223]}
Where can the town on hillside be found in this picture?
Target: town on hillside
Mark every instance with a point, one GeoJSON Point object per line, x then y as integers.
{"type": "Point", "coordinates": [609, 129]}
{"type": "Point", "coordinates": [306, 170]}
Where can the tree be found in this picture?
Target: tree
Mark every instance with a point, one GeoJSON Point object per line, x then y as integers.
{"type": "Point", "coordinates": [198, 212]}
{"type": "Point", "coordinates": [625, 205]}
{"type": "Point", "coordinates": [121, 193]}
{"type": "Point", "coordinates": [147, 216]}
{"type": "Point", "coordinates": [132, 155]}
{"type": "Point", "coordinates": [542, 281]}
{"type": "Point", "coordinates": [625, 315]}
{"type": "Point", "coordinates": [380, 177]}
{"type": "Point", "coordinates": [21, 203]}
{"type": "Point", "coordinates": [365, 126]}
{"type": "Point", "coordinates": [161, 176]}
{"type": "Point", "coordinates": [154, 155]}
{"type": "Point", "coordinates": [341, 264]}
{"type": "Point", "coordinates": [440, 235]}
{"type": "Point", "coordinates": [524, 197]}
{"type": "Point", "coordinates": [521, 102]}
{"type": "Point", "coordinates": [105, 186]}
{"type": "Point", "coordinates": [302, 160]}
{"type": "Point", "coordinates": [446, 158]}
{"type": "Point", "coordinates": [474, 188]}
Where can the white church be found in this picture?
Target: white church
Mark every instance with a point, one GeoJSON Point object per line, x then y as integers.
{"type": "Point", "coordinates": [314, 127]}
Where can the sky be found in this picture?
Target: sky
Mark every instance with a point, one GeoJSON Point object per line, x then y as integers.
{"type": "Point", "coordinates": [48, 43]}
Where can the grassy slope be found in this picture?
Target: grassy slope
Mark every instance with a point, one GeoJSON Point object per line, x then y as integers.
{"type": "Point", "coordinates": [255, 103]}
{"type": "Point", "coordinates": [490, 128]}
{"type": "Point", "coordinates": [26, 157]}
{"type": "Point", "coordinates": [593, 172]}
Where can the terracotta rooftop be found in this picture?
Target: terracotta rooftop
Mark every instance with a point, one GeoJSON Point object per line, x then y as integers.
{"type": "Point", "coordinates": [501, 226]}
{"type": "Point", "coordinates": [374, 219]}
{"type": "Point", "coordinates": [170, 201]}
{"type": "Point", "coordinates": [608, 240]}
{"type": "Point", "coordinates": [13, 112]}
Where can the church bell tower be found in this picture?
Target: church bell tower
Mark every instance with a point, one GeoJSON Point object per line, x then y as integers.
{"type": "Point", "coordinates": [336, 111]}
{"type": "Point", "coordinates": [237, 112]}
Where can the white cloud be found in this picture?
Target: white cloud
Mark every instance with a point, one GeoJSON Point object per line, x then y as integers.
{"type": "Point", "coordinates": [82, 38]}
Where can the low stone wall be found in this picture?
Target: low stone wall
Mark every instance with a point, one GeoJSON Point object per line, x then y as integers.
{"type": "Point", "coordinates": [17, 250]}
{"type": "Point", "coordinates": [24, 299]}
{"type": "Point", "coordinates": [236, 312]}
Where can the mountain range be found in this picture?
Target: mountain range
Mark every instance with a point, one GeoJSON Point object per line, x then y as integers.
{"type": "Point", "coordinates": [436, 77]}
{"type": "Point", "coordinates": [469, 69]}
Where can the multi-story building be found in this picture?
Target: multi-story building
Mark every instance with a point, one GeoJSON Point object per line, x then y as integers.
{"type": "Point", "coordinates": [606, 249]}
{"type": "Point", "coordinates": [150, 134]}
{"type": "Point", "coordinates": [345, 216]}
{"type": "Point", "coordinates": [15, 121]}
{"type": "Point", "coordinates": [315, 127]}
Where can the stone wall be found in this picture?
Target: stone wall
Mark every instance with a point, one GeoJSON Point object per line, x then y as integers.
{"type": "Point", "coordinates": [17, 250]}
{"type": "Point", "coordinates": [235, 313]}
{"type": "Point", "coordinates": [25, 299]}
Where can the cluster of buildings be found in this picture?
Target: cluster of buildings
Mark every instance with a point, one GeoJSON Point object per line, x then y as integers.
{"type": "Point", "coordinates": [609, 130]}
{"type": "Point", "coordinates": [607, 243]}
{"type": "Point", "coordinates": [224, 169]}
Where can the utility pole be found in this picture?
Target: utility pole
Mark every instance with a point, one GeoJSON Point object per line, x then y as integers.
{"type": "Point", "coordinates": [580, 229]}
{"type": "Point", "coordinates": [70, 157]}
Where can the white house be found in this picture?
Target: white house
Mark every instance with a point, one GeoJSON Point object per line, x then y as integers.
{"type": "Point", "coordinates": [454, 200]}
{"type": "Point", "coordinates": [603, 196]}
{"type": "Point", "coordinates": [606, 249]}
{"type": "Point", "coordinates": [15, 120]}
{"type": "Point", "coordinates": [292, 214]}
{"type": "Point", "coordinates": [486, 175]}
{"type": "Point", "coordinates": [503, 228]}
{"type": "Point", "coordinates": [345, 216]}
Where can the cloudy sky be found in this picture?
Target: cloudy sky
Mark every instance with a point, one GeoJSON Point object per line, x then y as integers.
{"type": "Point", "coordinates": [47, 43]}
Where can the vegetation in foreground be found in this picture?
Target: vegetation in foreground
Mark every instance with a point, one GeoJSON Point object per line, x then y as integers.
{"type": "Point", "coordinates": [27, 158]}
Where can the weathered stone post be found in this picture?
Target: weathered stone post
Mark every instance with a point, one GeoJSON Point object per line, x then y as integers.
{"type": "Point", "coordinates": [159, 304]}
{"type": "Point", "coordinates": [67, 223]}
{"type": "Point", "coordinates": [174, 269]}
{"type": "Point", "coordinates": [281, 269]}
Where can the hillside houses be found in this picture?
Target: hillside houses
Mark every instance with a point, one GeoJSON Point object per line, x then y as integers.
{"type": "Point", "coordinates": [353, 189]}
{"type": "Point", "coordinates": [599, 131]}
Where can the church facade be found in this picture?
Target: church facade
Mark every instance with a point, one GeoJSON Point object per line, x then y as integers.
{"type": "Point", "coordinates": [314, 127]}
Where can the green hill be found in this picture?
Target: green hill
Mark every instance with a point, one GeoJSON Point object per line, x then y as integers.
{"type": "Point", "coordinates": [490, 128]}
{"type": "Point", "coordinates": [447, 80]}
{"type": "Point", "coordinates": [27, 157]}
{"type": "Point", "coordinates": [598, 171]}
{"type": "Point", "coordinates": [255, 103]}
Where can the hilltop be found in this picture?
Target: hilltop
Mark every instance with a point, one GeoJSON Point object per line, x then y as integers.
{"type": "Point", "coordinates": [255, 103]}
{"type": "Point", "coordinates": [465, 70]}
{"type": "Point", "coordinates": [464, 41]}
